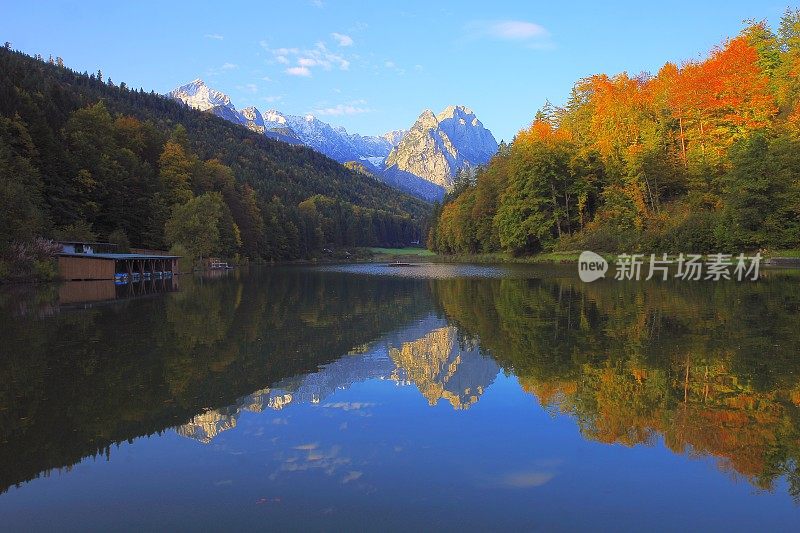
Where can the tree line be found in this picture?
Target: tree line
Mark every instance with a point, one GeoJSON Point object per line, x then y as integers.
{"type": "Point", "coordinates": [83, 158]}
{"type": "Point", "coordinates": [700, 157]}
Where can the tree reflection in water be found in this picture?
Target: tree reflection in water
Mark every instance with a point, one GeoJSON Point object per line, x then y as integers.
{"type": "Point", "coordinates": [712, 369]}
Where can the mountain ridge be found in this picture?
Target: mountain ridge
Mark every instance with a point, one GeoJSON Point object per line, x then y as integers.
{"type": "Point", "coordinates": [128, 140]}
{"type": "Point", "coordinates": [422, 160]}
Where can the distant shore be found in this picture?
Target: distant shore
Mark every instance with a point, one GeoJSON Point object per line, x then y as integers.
{"type": "Point", "coordinates": [777, 258]}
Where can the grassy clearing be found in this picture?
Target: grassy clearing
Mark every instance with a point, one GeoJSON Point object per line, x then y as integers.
{"type": "Point", "coordinates": [496, 258]}
{"type": "Point", "coordinates": [546, 257]}
{"type": "Point", "coordinates": [420, 252]}
{"type": "Point", "coordinates": [794, 253]}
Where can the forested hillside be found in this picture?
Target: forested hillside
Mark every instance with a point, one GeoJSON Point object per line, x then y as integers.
{"type": "Point", "coordinates": [84, 157]}
{"type": "Point", "coordinates": [699, 157]}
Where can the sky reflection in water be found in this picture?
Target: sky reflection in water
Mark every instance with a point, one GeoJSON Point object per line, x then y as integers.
{"type": "Point", "coordinates": [442, 396]}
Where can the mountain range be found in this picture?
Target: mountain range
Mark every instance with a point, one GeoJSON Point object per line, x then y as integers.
{"type": "Point", "coordinates": [423, 160]}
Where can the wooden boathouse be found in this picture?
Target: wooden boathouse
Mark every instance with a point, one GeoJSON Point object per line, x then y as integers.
{"type": "Point", "coordinates": [87, 264]}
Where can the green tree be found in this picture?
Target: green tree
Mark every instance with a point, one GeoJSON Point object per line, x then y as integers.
{"type": "Point", "coordinates": [763, 193]}
{"type": "Point", "coordinates": [537, 205]}
{"type": "Point", "coordinates": [120, 238]}
{"type": "Point", "coordinates": [80, 230]}
{"type": "Point", "coordinates": [196, 225]}
{"type": "Point", "coordinates": [22, 213]}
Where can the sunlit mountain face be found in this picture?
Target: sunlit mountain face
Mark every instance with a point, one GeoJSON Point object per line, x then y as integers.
{"type": "Point", "coordinates": [305, 389]}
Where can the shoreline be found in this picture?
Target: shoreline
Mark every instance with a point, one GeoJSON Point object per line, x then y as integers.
{"type": "Point", "coordinates": [550, 258]}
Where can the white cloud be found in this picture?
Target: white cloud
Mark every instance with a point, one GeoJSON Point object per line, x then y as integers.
{"type": "Point", "coordinates": [524, 480]}
{"type": "Point", "coordinates": [531, 34]}
{"type": "Point", "coordinates": [349, 406]}
{"type": "Point", "coordinates": [342, 39]}
{"type": "Point", "coordinates": [248, 87]}
{"type": "Point", "coordinates": [341, 109]}
{"type": "Point", "coordinates": [226, 67]}
{"type": "Point", "coordinates": [273, 98]}
{"type": "Point", "coordinates": [391, 65]}
{"type": "Point", "coordinates": [215, 36]}
{"type": "Point", "coordinates": [517, 30]}
{"type": "Point", "coordinates": [303, 60]}
{"type": "Point", "coordinates": [352, 476]}
{"type": "Point", "coordinates": [299, 71]}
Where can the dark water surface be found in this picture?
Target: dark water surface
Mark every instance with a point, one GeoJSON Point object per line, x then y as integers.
{"type": "Point", "coordinates": [430, 397]}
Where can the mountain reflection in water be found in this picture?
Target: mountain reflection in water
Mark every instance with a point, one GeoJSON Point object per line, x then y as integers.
{"type": "Point", "coordinates": [703, 369]}
{"type": "Point", "coordinates": [437, 364]}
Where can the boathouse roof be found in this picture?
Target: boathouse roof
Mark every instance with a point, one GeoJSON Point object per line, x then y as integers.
{"type": "Point", "coordinates": [118, 257]}
{"type": "Point", "coordinates": [110, 244]}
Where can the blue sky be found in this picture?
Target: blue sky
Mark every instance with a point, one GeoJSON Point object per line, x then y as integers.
{"type": "Point", "coordinates": [374, 66]}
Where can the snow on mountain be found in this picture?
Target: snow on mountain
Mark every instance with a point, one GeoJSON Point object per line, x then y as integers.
{"type": "Point", "coordinates": [198, 95]}
{"type": "Point", "coordinates": [423, 160]}
{"type": "Point", "coordinates": [394, 137]}
{"type": "Point", "coordinates": [275, 117]}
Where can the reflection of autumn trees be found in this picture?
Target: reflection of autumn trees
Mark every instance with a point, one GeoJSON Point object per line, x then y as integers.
{"type": "Point", "coordinates": [712, 369]}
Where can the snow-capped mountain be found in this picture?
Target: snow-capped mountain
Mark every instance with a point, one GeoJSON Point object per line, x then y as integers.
{"type": "Point", "coordinates": [335, 142]}
{"type": "Point", "coordinates": [423, 160]}
{"type": "Point", "coordinates": [200, 96]}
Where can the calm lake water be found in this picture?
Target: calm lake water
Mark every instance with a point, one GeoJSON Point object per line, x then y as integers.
{"type": "Point", "coordinates": [431, 397]}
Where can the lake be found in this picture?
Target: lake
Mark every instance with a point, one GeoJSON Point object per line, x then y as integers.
{"type": "Point", "coordinates": [436, 397]}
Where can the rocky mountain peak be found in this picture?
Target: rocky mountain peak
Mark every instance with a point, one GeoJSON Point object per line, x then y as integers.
{"type": "Point", "coordinates": [253, 119]}
{"type": "Point", "coordinates": [438, 146]}
{"type": "Point", "coordinates": [426, 120]}
{"type": "Point", "coordinates": [200, 96]}
{"type": "Point", "coordinates": [252, 113]}
{"type": "Point", "coordinates": [455, 111]}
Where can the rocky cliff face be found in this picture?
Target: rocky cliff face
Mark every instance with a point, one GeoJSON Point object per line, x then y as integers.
{"type": "Point", "coordinates": [437, 147]}
{"type": "Point", "coordinates": [253, 119]}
